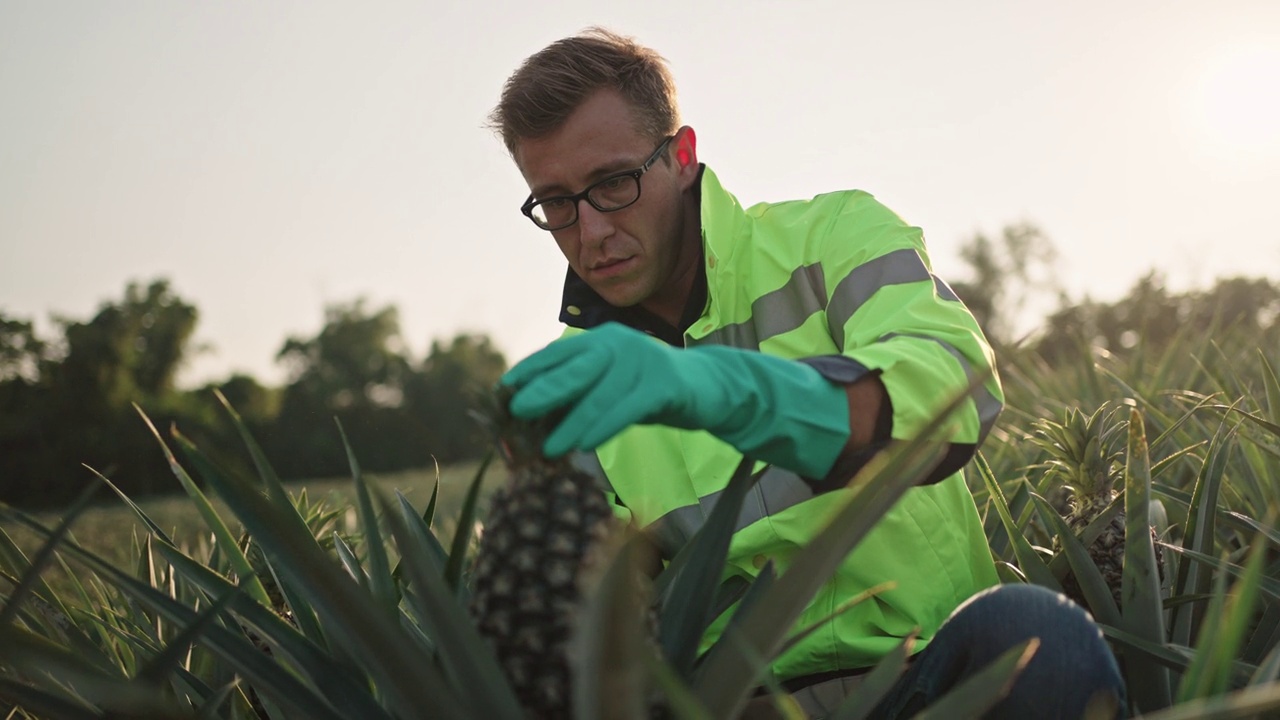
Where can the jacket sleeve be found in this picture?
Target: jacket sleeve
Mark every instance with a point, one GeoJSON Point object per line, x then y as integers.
{"type": "Point", "coordinates": [890, 315]}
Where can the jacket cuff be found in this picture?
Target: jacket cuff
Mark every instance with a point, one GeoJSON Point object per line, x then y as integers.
{"type": "Point", "coordinates": [839, 369]}
{"type": "Point", "coordinates": [844, 370]}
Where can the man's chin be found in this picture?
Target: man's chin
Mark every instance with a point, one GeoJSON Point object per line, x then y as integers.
{"type": "Point", "coordinates": [620, 297]}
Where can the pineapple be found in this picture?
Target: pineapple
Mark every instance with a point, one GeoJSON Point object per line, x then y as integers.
{"type": "Point", "coordinates": [543, 529]}
{"type": "Point", "coordinates": [1086, 453]}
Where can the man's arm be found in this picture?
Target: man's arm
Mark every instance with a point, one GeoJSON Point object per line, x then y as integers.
{"type": "Point", "coordinates": [769, 408]}
{"type": "Point", "coordinates": [866, 399]}
{"type": "Point", "coordinates": [908, 346]}
{"type": "Point", "coordinates": [822, 417]}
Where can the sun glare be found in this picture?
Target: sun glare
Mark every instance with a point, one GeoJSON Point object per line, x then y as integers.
{"type": "Point", "coordinates": [1238, 101]}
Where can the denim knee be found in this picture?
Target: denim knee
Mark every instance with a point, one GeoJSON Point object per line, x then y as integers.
{"type": "Point", "coordinates": [1071, 668]}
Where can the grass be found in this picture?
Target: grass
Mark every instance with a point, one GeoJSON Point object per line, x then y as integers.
{"type": "Point", "coordinates": [113, 530]}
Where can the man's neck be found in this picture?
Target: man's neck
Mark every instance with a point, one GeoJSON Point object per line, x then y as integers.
{"type": "Point", "coordinates": [669, 306]}
{"type": "Point", "coordinates": [670, 302]}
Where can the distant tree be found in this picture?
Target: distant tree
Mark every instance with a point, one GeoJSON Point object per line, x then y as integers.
{"type": "Point", "coordinates": [75, 406]}
{"type": "Point", "coordinates": [1250, 303]}
{"type": "Point", "coordinates": [396, 414]}
{"type": "Point", "coordinates": [1149, 313]}
{"type": "Point", "coordinates": [1004, 273]}
{"type": "Point", "coordinates": [353, 370]}
{"type": "Point", "coordinates": [21, 352]}
{"type": "Point", "coordinates": [69, 402]}
{"type": "Point", "coordinates": [26, 443]}
{"type": "Point", "coordinates": [443, 392]}
{"type": "Point", "coordinates": [356, 360]}
{"type": "Point", "coordinates": [129, 350]}
{"type": "Point", "coordinates": [256, 404]}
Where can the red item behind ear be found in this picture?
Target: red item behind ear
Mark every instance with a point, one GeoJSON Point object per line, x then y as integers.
{"type": "Point", "coordinates": [682, 157]}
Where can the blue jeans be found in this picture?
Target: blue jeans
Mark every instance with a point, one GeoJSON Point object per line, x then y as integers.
{"type": "Point", "coordinates": [1072, 667]}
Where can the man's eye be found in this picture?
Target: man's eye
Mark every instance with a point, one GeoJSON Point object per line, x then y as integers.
{"type": "Point", "coordinates": [614, 183]}
{"type": "Point", "coordinates": [555, 203]}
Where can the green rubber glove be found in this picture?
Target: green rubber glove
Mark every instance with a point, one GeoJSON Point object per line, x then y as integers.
{"type": "Point", "coordinates": [770, 409]}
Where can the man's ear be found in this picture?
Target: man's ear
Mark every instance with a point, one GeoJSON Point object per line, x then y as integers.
{"type": "Point", "coordinates": [686, 156]}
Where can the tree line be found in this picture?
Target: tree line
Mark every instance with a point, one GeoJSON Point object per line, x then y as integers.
{"type": "Point", "coordinates": [68, 402]}
{"type": "Point", "coordinates": [1006, 272]}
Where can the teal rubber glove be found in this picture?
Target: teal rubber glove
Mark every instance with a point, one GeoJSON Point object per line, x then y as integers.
{"type": "Point", "coordinates": [779, 411]}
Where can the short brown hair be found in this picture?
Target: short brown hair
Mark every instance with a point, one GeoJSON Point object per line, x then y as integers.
{"type": "Point", "coordinates": [542, 93]}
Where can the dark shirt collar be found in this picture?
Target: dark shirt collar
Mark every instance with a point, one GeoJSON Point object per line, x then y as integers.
{"type": "Point", "coordinates": [593, 310]}
{"type": "Point", "coordinates": [582, 307]}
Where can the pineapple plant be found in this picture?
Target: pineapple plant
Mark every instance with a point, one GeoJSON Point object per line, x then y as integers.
{"type": "Point", "coordinates": [544, 528]}
{"type": "Point", "coordinates": [370, 642]}
{"type": "Point", "coordinates": [1086, 457]}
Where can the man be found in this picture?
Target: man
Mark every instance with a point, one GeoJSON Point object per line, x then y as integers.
{"type": "Point", "coordinates": [806, 335]}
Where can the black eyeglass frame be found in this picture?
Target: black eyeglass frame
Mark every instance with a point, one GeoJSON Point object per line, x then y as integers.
{"type": "Point", "coordinates": [529, 204]}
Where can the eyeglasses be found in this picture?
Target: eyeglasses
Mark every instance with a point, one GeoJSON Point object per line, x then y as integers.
{"type": "Point", "coordinates": [610, 194]}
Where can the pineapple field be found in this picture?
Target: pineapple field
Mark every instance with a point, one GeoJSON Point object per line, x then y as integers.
{"type": "Point", "coordinates": [1145, 485]}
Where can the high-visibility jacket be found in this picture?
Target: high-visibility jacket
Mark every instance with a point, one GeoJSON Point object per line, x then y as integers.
{"type": "Point", "coordinates": [837, 275]}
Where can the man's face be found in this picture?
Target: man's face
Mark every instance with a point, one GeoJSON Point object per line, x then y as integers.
{"type": "Point", "coordinates": [628, 256]}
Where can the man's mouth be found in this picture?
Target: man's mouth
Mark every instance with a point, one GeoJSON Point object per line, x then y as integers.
{"type": "Point", "coordinates": [606, 268]}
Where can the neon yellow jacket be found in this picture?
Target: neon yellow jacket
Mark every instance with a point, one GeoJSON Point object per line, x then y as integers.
{"type": "Point", "coordinates": [839, 276]}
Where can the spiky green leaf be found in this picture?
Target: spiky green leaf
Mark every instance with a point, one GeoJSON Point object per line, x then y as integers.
{"type": "Point", "coordinates": [608, 640]}
{"type": "Point", "coordinates": [464, 654]}
{"type": "Point", "coordinates": [986, 688]}
{"type": "Point", "coordinates": [31, 574]}
{"type": "Point", "coordinates": [466, 527]}
{"type": "Point", "coordinates": [1141, 610]}
{"type": "Point", "coordinates": [223, 537]}
{"type": "Point", "coordinates": [875, 685]}
{"type": "Point", "coordinates": [729, 674]}
{"type": "Point", "coordinates": [1092, 584]}
{"type": "Point", "coordinates": [1029, 561]}
{"type": "Point", "coordinates": [380, 582]}
{"type": "Point", "coordinates": [687, 587]}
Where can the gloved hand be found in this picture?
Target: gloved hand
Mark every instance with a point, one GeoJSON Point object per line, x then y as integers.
{"type": "Point", "coordinates": [770, 409]}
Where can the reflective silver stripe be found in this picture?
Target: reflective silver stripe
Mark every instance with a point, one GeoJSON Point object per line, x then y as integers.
{"type": "Point", "coordinates": [775, 490]}
{"type": "Point", "coordinates": [671, 531]}
{"type": "Point", "coordinates": [589, 463]}
{"type": "Point", "coordinates": [944, 290]}
{"type": "Point", "coordinates": [987, 403]}
{"type": "Point", "coordinates": [776, 312]}
{"type": "Point", "coordinates": [805, 293]}
{"type": "Point", "coordinates": [894, 268]}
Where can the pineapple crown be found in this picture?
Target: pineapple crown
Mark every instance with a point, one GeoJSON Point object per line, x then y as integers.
{"type": "Point", "coordinates": [1084, 450]}
{"type": "Point", "coordinates": [519, 442]}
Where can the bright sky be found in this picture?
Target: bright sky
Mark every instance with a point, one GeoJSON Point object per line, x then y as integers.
{"type": "Point", "coordinates": [272, 157]}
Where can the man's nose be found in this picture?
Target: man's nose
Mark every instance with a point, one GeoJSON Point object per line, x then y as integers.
{"type": "Point", "coordinates": [593, 226]}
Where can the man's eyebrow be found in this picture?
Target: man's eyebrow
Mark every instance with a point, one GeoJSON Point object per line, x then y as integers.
{"type": "Point", "coordinates": [616, 166]}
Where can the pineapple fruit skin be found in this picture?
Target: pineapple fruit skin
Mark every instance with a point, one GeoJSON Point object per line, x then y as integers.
{"type": "Point", "coordinates": [1107, 551]}
{"type": "Point", "coordinates": [541, 533]}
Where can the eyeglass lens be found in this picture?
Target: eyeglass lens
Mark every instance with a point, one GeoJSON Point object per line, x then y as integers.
{"type": "Point", "coordinates": [610, 194]}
